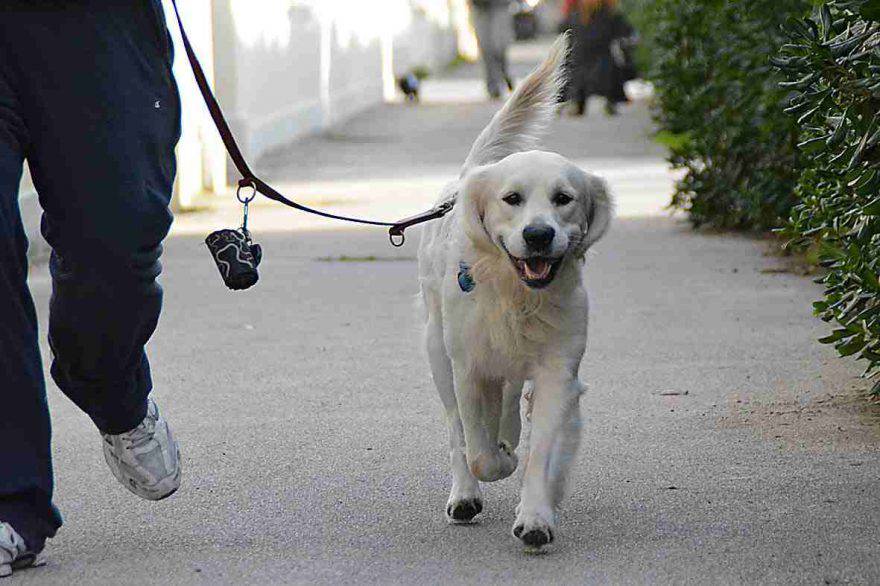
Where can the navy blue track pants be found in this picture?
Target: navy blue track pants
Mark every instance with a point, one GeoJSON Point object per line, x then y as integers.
{"type": "Point", "coordinates": [88, 99]}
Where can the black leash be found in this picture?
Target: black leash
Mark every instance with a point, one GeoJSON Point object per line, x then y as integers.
{"type": "Point", "coordinates": [250, 180]}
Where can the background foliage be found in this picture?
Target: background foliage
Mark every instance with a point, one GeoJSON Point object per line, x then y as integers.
{"type": "Point", "coordinates": [771, 108]}
{"type": "Point", "coordinates": [718, 106]}
{"type": "Point", "coordinates": [832, 61]}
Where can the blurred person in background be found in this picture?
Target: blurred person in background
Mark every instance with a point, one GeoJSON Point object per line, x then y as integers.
{"type": "Point", "coordinates": [493, 22]}
{"type": "Point", "coordinates": [597, 64]}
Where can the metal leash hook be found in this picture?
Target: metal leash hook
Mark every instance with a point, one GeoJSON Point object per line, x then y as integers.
{"type": "Point", "coordinates": [255, 249]}
{"type": "Point", "coordinates": [245, 202]}
{"type": "Point", "coordinates": [396, 232]}
{"type": "Point", "coordinates": [242, 184]}
{"type": "Point", "coordinates": [396, 237]}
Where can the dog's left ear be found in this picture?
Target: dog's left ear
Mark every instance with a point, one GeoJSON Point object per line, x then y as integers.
{"type": "Point", "coordinates": [598, 209]}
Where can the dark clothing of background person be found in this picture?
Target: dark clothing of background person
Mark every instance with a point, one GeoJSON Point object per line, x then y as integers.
{"type": "Point", "coordinates": [592, 69]}
{"type": "Point", "coordinates": [88, 99]}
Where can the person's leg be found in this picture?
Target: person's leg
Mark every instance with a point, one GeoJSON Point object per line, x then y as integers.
{"type": "Point", "coordinates": [573, 92]}
{"type": "Point", "coordinates": [486, 30]}
{"type": "Point", "coordinates": [103, 112]}
{"type": "Point", "coordinates": [25, 458]}
{"type": "Point", "coordinates": [579, 88]}
{"type": "Point", "coordinates": [502, 25]}
{"type": "Point", "coordinates": [580, 96]}
{"type": "Point", "coordinates": [590, 78]}
{"type": "Point", "coordinates": [616, 90]}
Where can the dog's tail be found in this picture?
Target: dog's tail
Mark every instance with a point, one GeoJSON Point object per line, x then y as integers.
{"type": "Point", "coordinates": [518, 125]}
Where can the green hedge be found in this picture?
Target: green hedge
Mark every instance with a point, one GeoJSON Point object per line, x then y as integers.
{"type": "Point", "coordinates": [718, 108]}
{"type": "Point", "coordinates": [832, 61]}
{"type": "Point", "coordinates": [772, 108]}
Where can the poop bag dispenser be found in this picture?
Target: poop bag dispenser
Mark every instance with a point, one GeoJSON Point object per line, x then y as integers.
{"type": "Point", "coordinates": [237, 257]}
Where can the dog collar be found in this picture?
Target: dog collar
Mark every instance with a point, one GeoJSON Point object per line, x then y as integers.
{"type": "Point", "coordinates": [465, 280]}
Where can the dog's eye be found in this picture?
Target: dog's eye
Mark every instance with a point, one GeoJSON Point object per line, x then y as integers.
{"type": "Point", "coordinates": [562, 199]}
{"type": "Point", "coordinates": [513, 199]}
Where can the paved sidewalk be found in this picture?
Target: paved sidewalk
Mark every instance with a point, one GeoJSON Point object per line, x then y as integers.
{"type": "Point", "coordinates": [313, 442]}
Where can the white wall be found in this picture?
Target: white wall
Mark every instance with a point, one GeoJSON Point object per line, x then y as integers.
{"type": "Point", "coordinates": [428, 40]}
{"type": "Point", "coordinates": [286, 68]}
{"type": "Point", "coordinates": [201, 160]}
{"type": "Point", "coordinates": [269, 60]}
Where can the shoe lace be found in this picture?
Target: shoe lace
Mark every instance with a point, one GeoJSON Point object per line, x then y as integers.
{"type": "Point", "coordinates": [142, 434]}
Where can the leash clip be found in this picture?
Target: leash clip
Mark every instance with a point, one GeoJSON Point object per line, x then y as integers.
{"type": "Point", "coordinates": [244, 184]}
{"type": "Point", "coordinates": [245, 202]}
{"type": "Point", "coordinates": [396, 232]}
{"type": "Point", "coordinates": [397, 239]}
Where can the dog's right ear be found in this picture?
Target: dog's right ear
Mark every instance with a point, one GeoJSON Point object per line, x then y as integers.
{"type": "Point", "coordinates": [598, 207]}
{"type": "Point", "coordinates": [475, 190]}
{"type": "Point", "coordinates": [600, 211]}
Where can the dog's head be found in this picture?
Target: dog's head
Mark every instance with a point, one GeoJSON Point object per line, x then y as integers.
{"type": "Point", "coordinates": [537, 209]}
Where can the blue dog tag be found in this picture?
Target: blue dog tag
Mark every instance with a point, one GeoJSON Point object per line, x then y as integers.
{"type": "Point", "coordinates": [465, 280]}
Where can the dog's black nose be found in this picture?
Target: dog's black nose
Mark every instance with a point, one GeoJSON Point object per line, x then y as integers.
{"type": "Point", "coordinates": [538, 237]}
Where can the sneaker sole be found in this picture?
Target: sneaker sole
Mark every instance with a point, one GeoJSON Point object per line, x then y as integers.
{"type": "Point", "coordinates": [26, 561]}
{"type": "Point", "coordinates": [149, 494]}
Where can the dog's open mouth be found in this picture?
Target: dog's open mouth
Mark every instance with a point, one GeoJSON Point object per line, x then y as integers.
{"type": "Point", "coordinates": [536, 271]}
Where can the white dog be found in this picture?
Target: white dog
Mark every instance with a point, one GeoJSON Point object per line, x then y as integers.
{"type": "Point", "coordinates": [501, 283]}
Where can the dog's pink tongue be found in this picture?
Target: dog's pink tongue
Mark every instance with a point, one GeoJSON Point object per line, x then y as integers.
{"type": "Point", "coordinates": [537, 268]}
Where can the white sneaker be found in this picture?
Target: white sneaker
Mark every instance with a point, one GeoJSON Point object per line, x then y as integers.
{"type": "Point", "coordinates": [14, 554]}
{"type": "Point", "coordinates": [146, 460]}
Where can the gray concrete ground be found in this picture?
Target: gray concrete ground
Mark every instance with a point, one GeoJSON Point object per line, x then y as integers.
{"type": "Point", "coordinates": [313, 442]}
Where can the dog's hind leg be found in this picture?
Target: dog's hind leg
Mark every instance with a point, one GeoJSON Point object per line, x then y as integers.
{"type": "Point", "coordinates": [465, 499]}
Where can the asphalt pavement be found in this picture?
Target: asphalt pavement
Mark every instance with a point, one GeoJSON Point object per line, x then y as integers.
{"type": "Point", "coordinates": [722, 444]}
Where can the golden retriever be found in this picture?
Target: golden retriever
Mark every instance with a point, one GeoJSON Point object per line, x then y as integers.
{"type": "Point", "coordinates": [501, 283]}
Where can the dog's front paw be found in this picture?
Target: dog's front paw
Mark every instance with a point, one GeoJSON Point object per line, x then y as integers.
{"type": "Point", "coordinates": [463, 510]}
{"type": "Point", "coordinates": [492, 466]}
{"type": "Point", "coordinates": [534, 530]}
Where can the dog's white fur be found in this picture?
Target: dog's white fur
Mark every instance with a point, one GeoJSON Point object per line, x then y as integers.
{"type": "Point", "coordinates": [485, 344]}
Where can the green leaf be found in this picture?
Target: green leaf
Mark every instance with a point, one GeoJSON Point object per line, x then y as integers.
{"type": "Point", "coordinates": [806, 115]}
{"type": "Point", "coordinates": [812, 145]}
{"type": "Point", "coordinates": [825, 15]}
{"type": "Point", "coordinates": [860, 150]}
{"type": "Point", "coordinates": [872, 208]}
{"type": "Point", "coordinates": [851, 347]}
{"type": "Point", "coordinates": [836, 335]}
{"type": "Point", "coordinates": [801, 83]}
{"type": "Point", "coordinates": [870, 187]}
{"type": "Point", "coordinates": [870, 10]}
{"type": "Point", "coordinates": [839, 133]}
{"type": "Point", "coordinates": [672, 140]}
